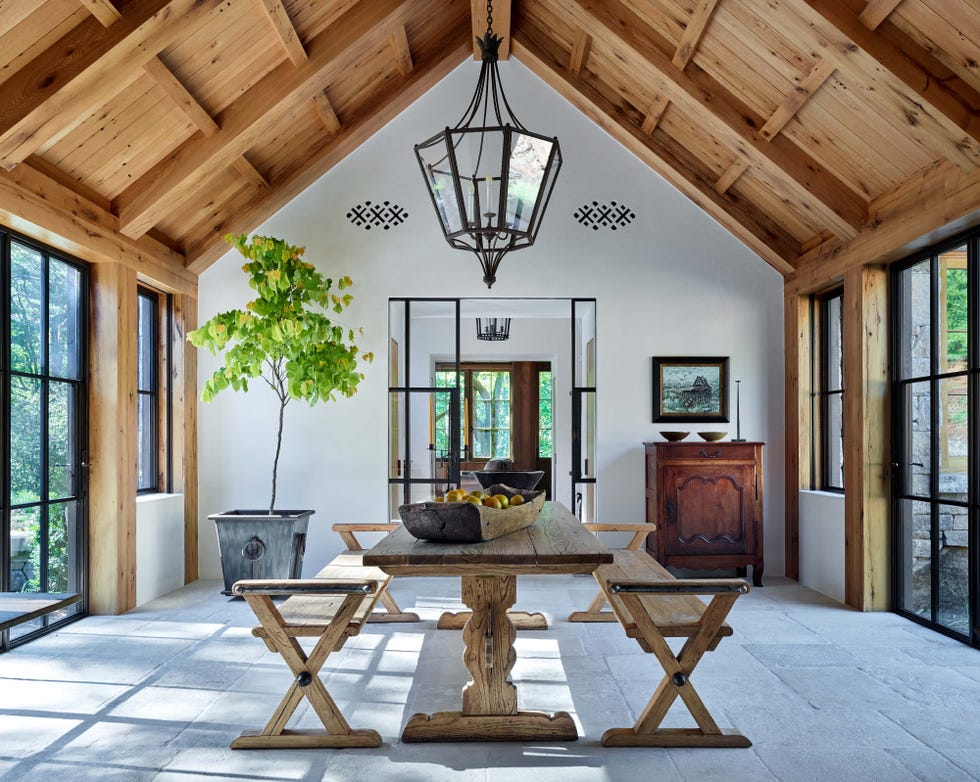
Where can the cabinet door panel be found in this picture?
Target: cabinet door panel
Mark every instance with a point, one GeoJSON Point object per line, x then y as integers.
{"type": "Point", "coordinates": [709, 510]}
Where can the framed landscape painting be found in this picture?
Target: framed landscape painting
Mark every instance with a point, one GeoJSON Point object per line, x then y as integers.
{"type": "Point", "coordinates": [690, 389]}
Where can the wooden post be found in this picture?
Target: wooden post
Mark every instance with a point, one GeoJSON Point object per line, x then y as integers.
{"type": "Point", "coordinates": [867, 539]}
{"type": "Point", "coordinates": [184, 422]}
{"type": "Point", "coordinates": [796, 314]}
{"type": "Point", "coordinates": [112, 440]}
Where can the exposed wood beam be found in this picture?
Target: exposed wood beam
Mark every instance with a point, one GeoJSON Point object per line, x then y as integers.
{"type": "Point", "coordinates": [731, 175]}
{"type": "Point", "coordinates": [580, 52]}
{"type": "Point", "coordinates": [445, 55]}
{"type": "Point", "coordinates": [61, 87]}
{"type": "Point", "coordinates": [501, 25]}
{"type": "Point", "coordinates": [398, 41]}
{"type": "Point", "coordinates": [285, 31]}
{"type": "Point", "coordinates": [796, 394]}
{"type": "Point", "coordinates": [44, 208]}
{"type": "Point", "coordinates": [763, 236]}
{"type": "Point", "coordinates": [181, 98]}
{"type": "Point", "coordinates": [183, 409]}
{"type": "Point", "coordinates": [867, 539]}
{"type": "Point", "coordinates": [103, 10]}
{"type": "Point", "coordinates": [938, 201]}
{"type": "Point", "coordinates": [112, 441]}
{"type": "Point", "coordinates": [876, 11]}
{"type": "Point", "coordinates": [69, 183]}
{"type": "Point", "coordinates": [174, 179]}
{"type": "Point", "coordinates": [822, 70]}
{"type": "Point", "coordinates": [249, 173]}
{"type": "Point", "coordinates": [325, 111]}
{"type": "Point", "coordinates": [694, 32]}
{"type": "Point", "coordinates": [926, 101]}
{"type": "Point", "coordinates": [654, 113]}
{"type": "Point", "coordinates": [817, 192]}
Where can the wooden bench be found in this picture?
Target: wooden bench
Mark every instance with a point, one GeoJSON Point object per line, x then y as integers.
{"type": "Point", "coordinates": [353, 558]}
{"type": "Point", "coordinates": [594, 612]}
{"type": "Point", "coordinates": [19, 607]}
{"type": "Point", "coordinates": [652, 606]}
{"type": "Point", "coordinates": [331, 607]}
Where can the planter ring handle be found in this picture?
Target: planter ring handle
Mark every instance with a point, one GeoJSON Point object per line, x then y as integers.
{"type": "Point", "coordinates": [254, 550]}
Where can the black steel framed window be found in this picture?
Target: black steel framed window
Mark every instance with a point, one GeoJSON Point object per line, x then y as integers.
{"type": "Point", "coordinates": [827, 415]}
{"type": "Point", "coordinates": [153, 391]}
{"type": "Point", "coordinates": [935, 298]}
{"type": "Point", "coordinates": [43, 391]}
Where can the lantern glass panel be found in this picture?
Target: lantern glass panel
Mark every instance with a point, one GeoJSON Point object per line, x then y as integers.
{"type": "Point", "coordinates": [526, 173]}
{"type": "Point", "coordinates": [439, 178]}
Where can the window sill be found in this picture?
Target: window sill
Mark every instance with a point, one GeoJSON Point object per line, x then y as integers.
{"type": "Point", "coordinates": [155, 497]}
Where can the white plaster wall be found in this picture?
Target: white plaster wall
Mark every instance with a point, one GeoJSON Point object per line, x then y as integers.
{"type": "Point", "coordinates": [822, 542]}
{"type": "Point", "coordinates": [672, 283]}
{"type": "Point", "coordinates": [159, 545]}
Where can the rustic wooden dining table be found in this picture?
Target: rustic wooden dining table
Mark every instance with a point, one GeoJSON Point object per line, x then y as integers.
{"type": "Point", "coordinates": [556, 543]}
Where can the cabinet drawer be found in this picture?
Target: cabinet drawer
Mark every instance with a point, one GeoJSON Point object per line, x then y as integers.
{"type": "Point", "coordinates": [740, 451]}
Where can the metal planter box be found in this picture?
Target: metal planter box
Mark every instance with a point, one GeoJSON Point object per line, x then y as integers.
{"type": "Point", "coordinates": [255, 544]}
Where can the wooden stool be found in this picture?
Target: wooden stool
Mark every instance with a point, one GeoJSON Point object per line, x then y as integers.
{"type": "Point", "coordinates": [354, 553]}
{"type": "Point", "coordinates": [594, 612]}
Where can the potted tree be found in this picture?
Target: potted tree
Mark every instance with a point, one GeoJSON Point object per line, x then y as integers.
{"type": "Point", "coordinates": [288, 338]}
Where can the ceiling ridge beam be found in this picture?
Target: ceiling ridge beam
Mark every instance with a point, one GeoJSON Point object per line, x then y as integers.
{"type": "Point", "coordinates": [821, 195]}
{"type": "Point", "coordinates": [66, 219]}
{"type": "Point", "coordinates": [928, 96]}
{"type": "Point", "coordinates": [694, 32]}
{"type": "Point", "coordinates": [876, 11]}
{"type": "Point", "coordinates": [175, 178]}
{"type": "Point", "coordinates": [401, 51]}
{"type": "Point", "coordinates": [501, 26]}
{"type": "Point", "coordinates": [738, 216]}
{"type": "Point", "coordinates": [452, 49]}
{"type": "Point", "coordinates": [815, 78]}
{"type": "Point", "coordinates": [285, 30]}
{"type": "Point", "coordinates": [103, 10]}
{"type": "Point", "coordinates": [579, 57]}
{"type": "Point", "coordinates": [61, 87]}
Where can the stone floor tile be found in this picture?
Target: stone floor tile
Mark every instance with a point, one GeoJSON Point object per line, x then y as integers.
{"type": "Point", "coordinates": [59, 698]}
{"type": "Point", "coordinates": [463, 762]}
{"type": "Point", "coordinates": [122, 743]}
{"type": "Point", "coordinates": [801, 655]}
{"type": "Point", "coordinates": [24, 735]}
{"type": "Point", "coordinates": [79, 772]}
{"type": "Point", "coordinates": [720, 765]}
{"type": "Point", "coordinates": [940, 728]}
{"type": "Point", "coordinates": [966, 759]}
{"type": "Point", "coordinates": [822, 763]}
{"type": "Point", "coordinates": [929, 765]}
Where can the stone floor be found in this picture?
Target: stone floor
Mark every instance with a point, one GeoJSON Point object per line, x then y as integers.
{"type": "Point", "coordinates": [824, 693]}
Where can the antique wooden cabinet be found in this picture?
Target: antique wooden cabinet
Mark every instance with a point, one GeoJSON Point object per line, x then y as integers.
{"type": "Point", "coordinates": [706, 500]}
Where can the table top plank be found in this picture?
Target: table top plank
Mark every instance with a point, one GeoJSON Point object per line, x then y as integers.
{"type": "Point", "coordinates": [556, 543]}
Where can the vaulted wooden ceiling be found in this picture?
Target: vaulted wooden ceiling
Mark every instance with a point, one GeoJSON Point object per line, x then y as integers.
{"type": "Point", "coordinates": [148, 129]}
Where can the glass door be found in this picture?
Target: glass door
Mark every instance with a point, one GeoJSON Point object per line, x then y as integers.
{"type": "Point", "coordinates": [44, 365]}
{"type": "Point", "coordinates": [935, 437]}
{"type": "Point", "coordinates": [583, 408]}
{"type": "Point", "coordinates": [423, 405]}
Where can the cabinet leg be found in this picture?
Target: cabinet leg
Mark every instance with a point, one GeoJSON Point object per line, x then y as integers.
{"type": "Point", "coordinates": [757, 569]}
{"type": "Point", "coordinates": [740, 572]}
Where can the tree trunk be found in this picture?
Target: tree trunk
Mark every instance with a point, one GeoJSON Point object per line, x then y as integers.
{"type": "Point", "coordinates": [275, 462]}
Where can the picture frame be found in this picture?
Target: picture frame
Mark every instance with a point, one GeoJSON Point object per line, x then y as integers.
{"type": "Point", "coordinates": [690, 389]}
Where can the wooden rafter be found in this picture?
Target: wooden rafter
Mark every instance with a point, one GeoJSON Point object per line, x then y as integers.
{"type": "Point", "coordinates": [876, 11]}
{"type": "Point", "coordinates": [731, 175]}
{"type": "Point", "coordinates": [822, 70]}
{"type": "Point", "coordinates": [947, 122]}
{"type": "Point", "coordinates": [103, 10]}
{"type": "Point", "coordinates": [501, 25]}
{"type": "Point", "coordinates": [666, 157]}
{"type": "Point", "coordinates": [175, 178]}
{"type": "Point", "coordinates": [180, 97]}
{"type": "Point", "coordinates": [654, 113]}
{"type": "Point", "coordinates": [326, 113]}
{"type": "Point", "coordinates": [580, 52]}
{"type": "Point", "coordinates": [400, 49]}
{"type": "Point", "coordinates": [818, 192]}
{"type": "Point", "coordinates": [285, 31]}
{"type": "Point", "coordinates": [694, 31]}
{"type": "Point", "coordinates": [55, 93]}
{"type": "Point", "coordinates": [379, 110]}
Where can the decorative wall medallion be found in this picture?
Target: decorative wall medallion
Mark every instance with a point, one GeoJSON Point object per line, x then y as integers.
{"type": "Point", "coordinates": [612, 215]}
{"type": "Point", "coordinates": [371, 215]}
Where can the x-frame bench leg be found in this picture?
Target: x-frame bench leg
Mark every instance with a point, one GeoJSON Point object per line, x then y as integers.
{"type": "Point", "coordinates": [307, 684]}
{"type": "Point", "coordinates": [676, 683]}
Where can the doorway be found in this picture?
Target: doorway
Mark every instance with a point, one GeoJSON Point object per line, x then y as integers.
{"type": "Point", "coordinates": [936, 395]}
{"type": "Point", "coordinates": [456, 401]}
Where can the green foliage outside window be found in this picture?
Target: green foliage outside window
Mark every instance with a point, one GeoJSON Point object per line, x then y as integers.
{"type": "Point", "coordinates": [545, 415]}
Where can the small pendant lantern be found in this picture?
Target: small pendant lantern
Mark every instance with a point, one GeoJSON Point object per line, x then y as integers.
{"type": "Point", "coordinates": [493, 329]}
{"type": "Point", "coordinates": [489, 177]}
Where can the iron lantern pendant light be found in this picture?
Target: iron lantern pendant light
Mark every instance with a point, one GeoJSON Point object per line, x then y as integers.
{"type": "Point", "coordinates": [489, 177]}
